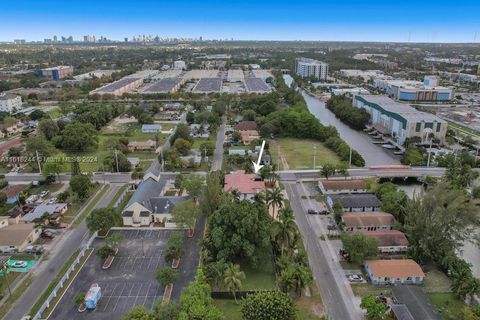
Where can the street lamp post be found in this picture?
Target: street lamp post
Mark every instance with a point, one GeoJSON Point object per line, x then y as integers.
{"type": "Point", "coordinates": [314, 156]}
{"type": "Point", "coordinates": [429, 153]}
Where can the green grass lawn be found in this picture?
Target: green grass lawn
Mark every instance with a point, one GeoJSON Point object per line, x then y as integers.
{"type": "Point", "coordinates": [229, 308]}
{"type": "Point", "coordinates": [448, 304]}
{"type": "Point", "coordinates": [167, 126]}
{"type": "Point", "coordinates": [365, 289]}
{"type": "Point", "coordinates": [260, 277]}
{"type": "Point", "coordinates": [55, 113]}
{"type": "Point", "coordinates": [465, 129]}
{"type": "Point", "coordinates": [299, 153]}
{"type": "Point", "coordinates": [436, 280]}
{"type": "Point", "coordinates": [117, 196]}
{"type": "Point", "coordinates": [15, 295]}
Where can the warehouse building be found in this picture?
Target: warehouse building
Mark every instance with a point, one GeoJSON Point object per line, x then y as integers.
{"type": "Point", "coordinates": [119, 87]}
{"type": "Point", "coordinates": [165, 85]}
{"type": "Point", "coordinates": [401, 121]}
{"type": "Point", "coordinates": [411, 90]}
{"type": "Point", "coordinates": [56, 73]}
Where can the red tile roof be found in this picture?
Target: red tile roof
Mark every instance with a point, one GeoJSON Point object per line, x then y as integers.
{"type": "Point", "coordinates": [388, 238]}
{"type": "Point", "coordinates": [12, 190]}
{"type": "Point", "coordinates": [246, 125]}
{"type": "Point", "coordinates": [366, 219]}
{"type": "Point", "coordinates": [244, 183]}
{"type": "Point", "coordinates": [344, 184]}
{"type": "Point", "coordinates": [395, 268]}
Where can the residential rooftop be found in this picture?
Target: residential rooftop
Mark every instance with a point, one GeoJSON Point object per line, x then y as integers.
{"type": "Point", "coordinates": [356, 200]}
{"type": "Point", "coordinates": [15, 234]}
{"type": "Point", "coordinates": [344, 184]}
{"type": "Point", "coordinates": [388, 238]}
{"type": "Point", "coordinates": [243, 182]}
{"type": "Point", "coordinates": [367, 219]}
{"type": "Point", "coordinates": [395, 268]}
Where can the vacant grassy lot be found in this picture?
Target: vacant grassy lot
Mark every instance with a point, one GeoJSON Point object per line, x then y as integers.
{"type": "Point", "coordinates": [449, 306]}
{"type": "Point", "coordinates": [298, 153]}
{"type": "Point", "coordinates": [436, 280]}
{"type": "Point", "coordinates": [366, 289]}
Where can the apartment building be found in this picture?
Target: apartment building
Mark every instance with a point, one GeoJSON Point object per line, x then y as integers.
{"type": "Point", "coordinates": [306, 68]}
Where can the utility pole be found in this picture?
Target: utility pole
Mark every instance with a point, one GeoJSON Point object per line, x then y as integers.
{"type": "Point", "coordinates": [314, 156]}
{"type": "Point", "coordinates": [38, 162]}
{"type": "Point", "coordinates": [161, 155]}
{"type": "Point", "coordinates": [116, 158]}
{"type": "Point", "coordinates": [350, 158]}
{"type": "Point", "coordinates": [430, 152]}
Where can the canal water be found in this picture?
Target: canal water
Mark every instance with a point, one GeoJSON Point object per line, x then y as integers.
{"type": "Point", "coordinates": [358, 140]}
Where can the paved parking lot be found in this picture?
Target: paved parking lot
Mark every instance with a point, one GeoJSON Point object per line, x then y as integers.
{"type": "Point", "coordinates": [129, 281]}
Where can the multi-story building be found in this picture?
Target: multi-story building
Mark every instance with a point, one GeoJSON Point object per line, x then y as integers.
{"type": "Point", "coordinates": [411, 90]}
{"type": "Point", "coordinates": [401, 121]}
{"type": "Point", "coordinates": [10, 102]}
{"type": "Point", "coordinates": [179, 65]}
{"type": "Point", "coordinates": [306, 68]}
{"type": "Point", "coordinates": [56, 73]}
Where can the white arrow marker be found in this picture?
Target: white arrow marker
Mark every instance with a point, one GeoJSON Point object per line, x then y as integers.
{"type": "Point", "coordinates": [257, 166]}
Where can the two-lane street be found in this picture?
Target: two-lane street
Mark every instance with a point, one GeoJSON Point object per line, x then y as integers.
{"type": "Point", "coordinates": [336, 293]}
{"type": "Point", "coordinates": [48, 269]}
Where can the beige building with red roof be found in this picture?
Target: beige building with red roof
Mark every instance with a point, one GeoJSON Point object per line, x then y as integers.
{"type": "Point", "coordinates": [395, 271]}
{"type": "Point", "coordinates": [342, 186]}
{"type": "Point", "coordinates": [247, 184]}
{"type": "Point", "coordinates": [389, 241]}
{"type": "Point", "coordinates": [248, 136]}
{"type": "Point", "coordinates": [367, 221]}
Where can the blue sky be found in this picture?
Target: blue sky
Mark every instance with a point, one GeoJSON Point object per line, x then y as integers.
{"type": "Point", "coordinates": [348, 20]}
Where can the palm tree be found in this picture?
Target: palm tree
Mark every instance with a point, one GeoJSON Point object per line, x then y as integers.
{"type": "Point", "coordinates": [232, 279]}
{"type": "Point", "coordinates": [302, 278]}
{"type": "Point", "coordinates": [327, 170]}
{"type": "Point", "coordinates": [274, 199]}
{"type": "Point", "coordinates": [284, 231]}
{"type": "Point", "coordinates": [259, 199]}
{"type": "Point", "coordinates": [273, 176]}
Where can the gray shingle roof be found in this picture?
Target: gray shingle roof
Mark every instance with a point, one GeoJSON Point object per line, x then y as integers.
{"type": "Point", "coordinates": [357, 200]}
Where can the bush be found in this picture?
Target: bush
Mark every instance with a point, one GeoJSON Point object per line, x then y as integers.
{"type": "Point", "coordinates": [268, 305]}
{"type": "Point", "coordinates": [166, 276]}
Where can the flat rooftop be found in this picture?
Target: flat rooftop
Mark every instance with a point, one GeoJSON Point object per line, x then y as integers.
{"type": "Point", "coordinates": [405, 110]}
{"type": "Point", "coordinates": [208, 85]}
{"type": "Point", "coordinates": [116, 85]}
{"type": "Point", "coordinates": [162, 85]}
{"type": "Point", "coordinates": [256, 85]}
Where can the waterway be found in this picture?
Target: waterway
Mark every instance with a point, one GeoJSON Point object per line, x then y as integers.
{"type": "Point", "coordinates": [358, 140]}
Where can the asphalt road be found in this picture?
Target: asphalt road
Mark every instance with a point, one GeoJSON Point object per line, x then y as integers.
{"type": "Point", "coordinates": [48, 269]}
{"type": "Point", "coordinates": [218, 155]}
{"type": "Point", "coordinates": [27, 178]}
{"type": "Point", "coordinates": [293, 175]}
{"type": "Point", "coordinates": [335, 290]}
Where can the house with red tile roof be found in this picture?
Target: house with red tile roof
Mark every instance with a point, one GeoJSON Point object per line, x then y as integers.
{"type": "Point", "coordinates": [247, 184]}
{"type": "Point", "coordinates": [246, 126]}
{"type": "Point", "coordinates": [395, 271]}
{"type": "Point", "coordinates": [389, 241]}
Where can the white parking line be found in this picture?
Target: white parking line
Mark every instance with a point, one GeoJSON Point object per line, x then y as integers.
{"type": "Point", "coordinates": [136, 297]}
{"type": "Point", "coordinates": [109, 297]}
{"type": "Point", "coordinates": [130, 292]}
{"type": "Point", "coordinates": [148, 291]}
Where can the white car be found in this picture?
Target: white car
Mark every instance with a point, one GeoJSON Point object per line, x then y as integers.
{"type": "Point", "coordinates": [19, 264]}
{"type": "Point", "coordinates": [355, 278]}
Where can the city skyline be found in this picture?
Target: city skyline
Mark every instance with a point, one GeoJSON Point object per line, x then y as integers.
{"type": "Point", "coordinates": [349, 20]}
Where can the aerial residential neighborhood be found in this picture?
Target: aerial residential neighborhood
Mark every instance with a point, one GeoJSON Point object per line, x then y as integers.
{"type": "Point", "coordinates": [211, 160]}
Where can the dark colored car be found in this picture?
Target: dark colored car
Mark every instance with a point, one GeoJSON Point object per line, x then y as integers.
{"type": "Point", "coordinates": [324, 212]}
{"type": "Point", "coordinates": [47, 234]}
{"type": "Point", "coordinates": [311, 211]}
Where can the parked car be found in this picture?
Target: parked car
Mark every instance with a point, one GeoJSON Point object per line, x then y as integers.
{"type": "Point", "coordinates": [19, 264]}
{"type": "Point", "coordinates": [311, 211]}
{"type": "Point", "coordinates": [324, 212]}
{"type": "Point", "coordinates": [58, 225]}
{"type": "Point", "coordinates": [355, 278]}
{"type": "Point", "coordinates": [52, 200]}
{"type": "Point", "coordinates": [47, 234]}
{"type": "Point", "coordinates": [34, 250]}
{"type": "Point", "coordinates": [44, 193]}
{"type": "Point", "coordinates": [11, 249]}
